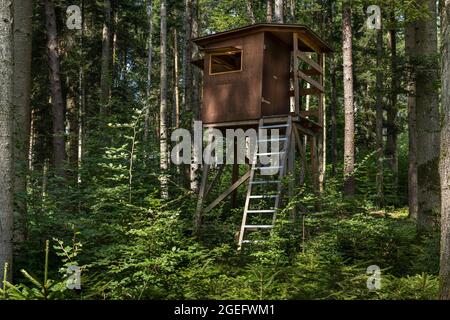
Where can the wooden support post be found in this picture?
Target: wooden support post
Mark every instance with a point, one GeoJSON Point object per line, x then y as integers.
{"type": "Point", "coordinates": [225, 194]}
{"type": "Point", "coordinates": [215, 179]}
{"type": "Point", "coordinates": [322, 121]}
{"type": "Point", "coordinates": [314, 162]}
{"type": "Point", "coordinates": [295, 74]}
{"type": "Point", "coordinates": [302, 152]}
{"type": "Point", "coordinates": [291, 168]}
{"type": "Point", "coordinates": [199, 209]}
{"type": "Point", "coordinates": [234, 178]}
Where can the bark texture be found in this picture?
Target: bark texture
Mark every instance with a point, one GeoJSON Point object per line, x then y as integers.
{"type": "Point", "coordinates": [6, 136]}
{"type": "Point", "coordinates": [164, 165]}
{"type": "Point", "coordinates": [349, 135]}
{"type": "Point", "coordinates": [427, 120]}
{"type": "Point", "coordinates": [23, 13]}
{"type": "Point", "coordinates": [444, 292]}
{"type": "Point", "coordinates": [59, 152]}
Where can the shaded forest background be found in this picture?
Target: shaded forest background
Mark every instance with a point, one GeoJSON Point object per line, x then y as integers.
{"type": "Point", "coordinates": [91, 189]}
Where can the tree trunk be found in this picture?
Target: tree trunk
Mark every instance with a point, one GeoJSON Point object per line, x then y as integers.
{"type": "Point", "coordinates": [105, 81]}
{"type": "Point", "coordinates": [349, 135]}
{"type": "Point", "coordinates": [333, 92]}
{"type": "Point", "coordinates": [428, 121]}
{"type": "Point", "coordinates": [59, 152]}
{"type": "Point", "coordinates": [269, 14]}
{"type": "Point", "coordinates": [195, 99]}
{"type": "Point", "coordinates": [279, 11]}
{"type": "Point", "coordinates": [6, 137]}
{"type": "Point", "coordinates": [176, 110]}
{"type": "Point", "coordinates": [410, 42]}
{"type": "Point", "coordinates": [250, 11]}
{"type": "Point", "coordinates": [149, 71]}
{"type": "Point", "coordinates": [391, 142]}
{"type": "Point", "coordinates": [23, 13]}
{"type": "Point", "coordinates": [379, 118]}
{"type": "Point", "coordinates": [164, 165]}
{"type": "Point", "coordinates": [444, 292]}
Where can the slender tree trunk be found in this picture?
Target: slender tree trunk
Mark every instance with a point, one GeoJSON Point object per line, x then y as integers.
{"type": "Point", "coordinates": [379, 117]}
{"type": "Point", "coordinates": [149, 70]}
{"type": "Point", "coordinates": [428, 121]}
{"type": "Point", "coordinates": [349, 136]}
{"type": "Point", "coordinates": [187, 56]}
{"type": "Point", "coordinates": [250, 12]}
{"type": "Point", "coordinates": [6, 137]}
{"type": "Point", "coordinates": [391, 143]}
{"type": "Point", "coordinates": [269, 13]}
{"type": "Point", "coordinates": [23, 13]}
{"type": "Point", "coordinates": [444, 292]}
{"type": "Point", "coordinates": [195, 99]}
{"type": "Point", "coordinates": [176, 110]}
{"type": "Point", "coordinates": [279, 11]}
{"type": "Point", "coordinates": [59, 152]}
{"type": "Point", "coordinates": [105, 81]}
{"type": "Point", "coordinates": [292, 9]}
{"type": "Point", "coordinates": [333, 90]}
{"type": "Point", "coordinates": [410, 42]}
{"type": "Point", "coordinates": [164, 165]}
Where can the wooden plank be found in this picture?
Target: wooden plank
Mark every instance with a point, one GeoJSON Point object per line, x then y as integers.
{"type": "Point", "coordinates": [309, 113]}
{"type": "Point", "coordinates": [303, 37]}
{"type": "Point", "coordinates": [215, 179]}
{"type": "Point", "coordinates": [310, 62]}
{"type": "Point", "coordinates": [225, 194]}
{"type": "Point", "coordinates": [295, 76]}
{"type": "Point", "coordinates": [309, 91]}
{"type": "Point", "coordinates": [311, 72]}
{"type": "Point", "coordinates": [311, 81]}
{"type": "Point", "coordinates": [198, 212]}
{"type": "Point", "coordinates": [306, 92]}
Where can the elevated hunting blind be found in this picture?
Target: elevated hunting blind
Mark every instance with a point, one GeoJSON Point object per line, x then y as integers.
{"type": "Point", "coordinates": [265, 76]}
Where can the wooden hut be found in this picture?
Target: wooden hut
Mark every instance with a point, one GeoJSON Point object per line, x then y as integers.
{"type": "Point", "coordinates": [261, 76]}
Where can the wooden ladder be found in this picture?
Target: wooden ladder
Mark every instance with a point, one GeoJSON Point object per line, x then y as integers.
{"type": "Point", "coordinates": [260, 176]}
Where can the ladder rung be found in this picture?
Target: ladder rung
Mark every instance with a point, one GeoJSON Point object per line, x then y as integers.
{"type": "Point", "coordinates": [264, 182]}
{"type": "Point", "coordinates": [254, 241]}
{"type": "Point", "coordinates": [270, 153]}
{"type": "Point", "coordinates": [264, 196]}
{"type": "Point", "coordinates": [268, 168]}
{"type": "Point", "coordinates": [273, 140]}
{"type": "Point", "coordinates": [260, 211]}
{"type": "Point", "coordinates": [259, 226]}
{"type": "Point", "coordinates": [274, 126]}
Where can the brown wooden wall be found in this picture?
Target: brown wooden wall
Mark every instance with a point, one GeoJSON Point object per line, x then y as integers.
{"type": "Point", "coordinates": [276, 77]}
{"type": "Point", "coordinates": [235, 96]}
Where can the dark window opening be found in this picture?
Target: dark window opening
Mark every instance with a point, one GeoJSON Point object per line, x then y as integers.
{"type": "Point", "coordinates": [226, 62]}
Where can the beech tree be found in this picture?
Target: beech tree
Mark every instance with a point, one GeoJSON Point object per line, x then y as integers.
{"type": "Point", "coordinates": [349, 134]}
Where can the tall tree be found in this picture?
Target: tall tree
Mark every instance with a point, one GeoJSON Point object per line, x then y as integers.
{"type": "Point", "coordinates": [6, 136]}
{"type": "Point", "coordinates": [149, 69]}
{"type": "Point", "coordinates": [164, 165]}
{"type": "Point", "coordinates": [279, 11]}
{"type": "Point", "coordinates": [410, 43]}
{"type": "Point", "coordinates": [427, 119]}
{"type": "Point", "coordinates": [392, 110]}
{"type": "Point", "coordinates": [105, 81]}
{"type": "Point", "coordinates": [59, 152]}
{"type": "Point", "coordinates": [23, 13]}
{"type": "Point", "coordinates": [379, 117]}
{"type": "Point", "coordinates": [349, 134]}
{"type": "Point", "coordinates": [445, 154]}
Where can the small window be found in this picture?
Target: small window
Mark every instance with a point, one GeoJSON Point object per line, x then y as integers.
{"type": "Point", "coordinates": [225, 62]}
